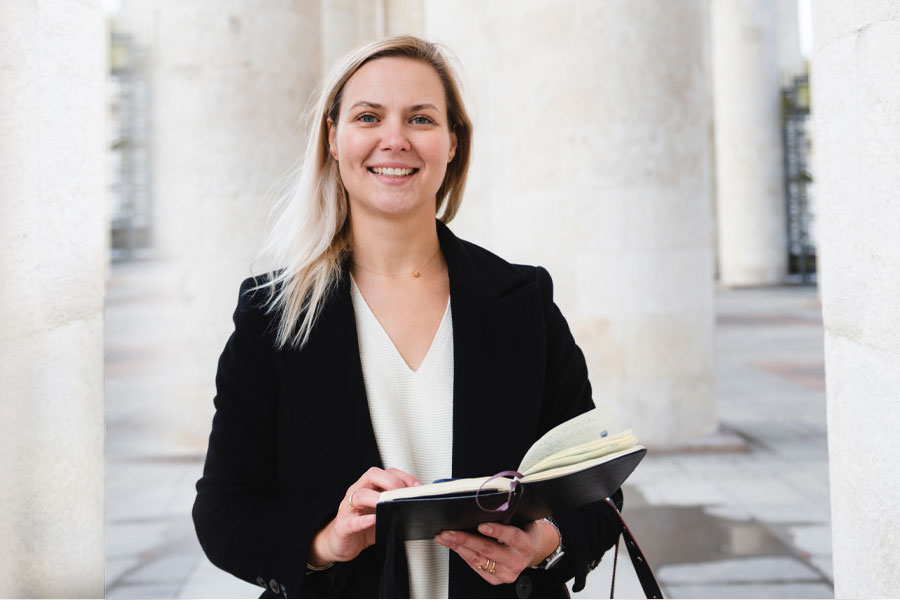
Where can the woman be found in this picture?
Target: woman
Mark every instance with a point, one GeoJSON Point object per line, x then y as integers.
{"type": "Point", "coordinates": [387, 352]}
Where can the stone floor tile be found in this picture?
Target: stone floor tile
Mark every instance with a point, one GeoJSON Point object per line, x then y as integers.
{"type": "Point", "coordinates": [133, 539]}
{"type": "Point", "coordinates": [141, 591]}
{"type": "Point", "coordinates": [813, 539]}
{"type": "Point", "coordinates": [825, 564]}
{"type": "Point", "coordinates": [739, 570]}
{"type": "Point", "coordinates": [682, 493]}
{"type": "Point", "coordinates": [751, 590]}
{"type": "Point", "coordinates": [731, 513]}
{"type": "Point", "coordinates": [791, 513]}
{"type": "Point", "coordinates": [115, 567]}
{"type": "Point", "coordinates": [165, 568]}
{"type": "Point", "coordinates": [208, 581]}
{"type": "Point", "coordinates": [759, 491]}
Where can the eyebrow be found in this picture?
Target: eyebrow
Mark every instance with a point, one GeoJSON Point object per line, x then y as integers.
{"type": "Point", "coordinates": [376, 106]}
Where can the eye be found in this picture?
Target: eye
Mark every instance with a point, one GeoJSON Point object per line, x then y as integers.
{"type": "Point", "coordinates": [367, 118]}
{"type": "Point", "coordinates": [421, 120]}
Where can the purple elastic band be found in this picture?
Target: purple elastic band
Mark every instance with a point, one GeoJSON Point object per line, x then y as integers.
{"type": "Point", "coordinates": [512, 487]}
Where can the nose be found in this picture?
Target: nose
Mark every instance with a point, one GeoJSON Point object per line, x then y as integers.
{"type": "Point", "coordinates": [394, 137]}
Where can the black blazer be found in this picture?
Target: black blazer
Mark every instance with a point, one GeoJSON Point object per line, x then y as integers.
{"type": "Point", "coordinates": [292, 431]}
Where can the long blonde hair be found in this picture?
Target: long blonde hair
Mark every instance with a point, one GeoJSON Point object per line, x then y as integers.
{"type": "Point", "coordinates": [310, 238]}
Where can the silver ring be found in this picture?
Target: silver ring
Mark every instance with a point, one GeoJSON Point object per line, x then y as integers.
{"type": "Point", "coordinates": [350, 500]}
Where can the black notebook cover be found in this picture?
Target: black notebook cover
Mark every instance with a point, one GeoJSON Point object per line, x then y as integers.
{"type": "Point", "coordinates": [423, 518]}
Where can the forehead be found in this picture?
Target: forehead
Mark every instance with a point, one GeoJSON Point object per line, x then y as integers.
{"type": "Point", "coordinates": [394, 81]}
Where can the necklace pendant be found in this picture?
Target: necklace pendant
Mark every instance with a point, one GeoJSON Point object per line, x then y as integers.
{"type": "Point", "coordinates": [416, 273]}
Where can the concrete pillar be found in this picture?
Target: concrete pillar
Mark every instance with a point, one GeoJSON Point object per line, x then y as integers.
{"type": "Point", "coordinates": [592, 158]}
{"type": "Point", "coordinates": [855, 102]}
{"type": "Point", "coordinates": [790, 58]}
{"type": "Point", "coordinates": [348, 24]}
{"type": "Point", "coordinates": [229, 80]}
{"type": "Point", "coordinates": [404, 17]}
{"type": "Point", "coordinates": [749, 156]}
{"type": "Point", "coordinates": [52, 264]}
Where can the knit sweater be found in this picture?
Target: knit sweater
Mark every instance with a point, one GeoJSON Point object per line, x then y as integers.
{"type": "Point", "coordinates": [412, 415]}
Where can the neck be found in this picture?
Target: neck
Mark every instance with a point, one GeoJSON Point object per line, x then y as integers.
{"type": "Point", "coordinates": [394, 246]}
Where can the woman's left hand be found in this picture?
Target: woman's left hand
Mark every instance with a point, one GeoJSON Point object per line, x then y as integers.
{"type": "Point", "coordinates": [506, 549]}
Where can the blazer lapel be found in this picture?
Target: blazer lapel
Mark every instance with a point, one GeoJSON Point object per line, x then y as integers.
{"type": "Point", "coordinates": [331, 381]}
{"type": "Point", "coordinates": [495, 386]}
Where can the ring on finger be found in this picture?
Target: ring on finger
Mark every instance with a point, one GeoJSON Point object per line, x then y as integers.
{"type": "Point", "coordinates": [350, 501]}
{"type": "Point", "coordinates": [491, 568]}
{"type": "Point", "coordinates": [485, 566]}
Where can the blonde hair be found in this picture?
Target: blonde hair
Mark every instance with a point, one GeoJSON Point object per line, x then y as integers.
{"type": "Point", "coordinates": [310, 238]}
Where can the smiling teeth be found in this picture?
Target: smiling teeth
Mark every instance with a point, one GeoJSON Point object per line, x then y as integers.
{"type": "Point", "coordinates": [392, 171]}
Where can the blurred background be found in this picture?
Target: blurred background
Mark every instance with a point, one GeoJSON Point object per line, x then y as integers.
{"type": "Point", "coordinates": [719, 228]}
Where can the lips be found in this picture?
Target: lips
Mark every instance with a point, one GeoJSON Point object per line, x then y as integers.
{"type": "Point", "coordinates": [393, 171]}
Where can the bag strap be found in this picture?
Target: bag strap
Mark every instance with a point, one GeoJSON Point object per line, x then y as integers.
{"type": "Point", "coordinates": [638, 560]}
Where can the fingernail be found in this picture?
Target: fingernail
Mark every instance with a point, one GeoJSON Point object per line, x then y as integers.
{"type": "Point", "coordinates": [448, 536]}
{"type": "Point", "coordinates": [485, 529]}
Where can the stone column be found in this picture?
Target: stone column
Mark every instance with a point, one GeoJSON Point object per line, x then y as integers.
{"type": "Point", "coordinates": [749, 156]}
{"type": "Point", "coordinates": [348, 24]}
{"type": "Point", "coordinates": [855, 103]}
{"type": "Point", "coordinates": [592, 158]}
{"type": "Point", "coordinates": [229, 80]}
{"type": "Point", "coordinates": [53, 235]}
{"type": "Point", "coordinates": [790, 58]}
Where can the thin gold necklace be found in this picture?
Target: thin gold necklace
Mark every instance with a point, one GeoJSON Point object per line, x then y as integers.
{"type": "Point", "coordinates": [417, 273]}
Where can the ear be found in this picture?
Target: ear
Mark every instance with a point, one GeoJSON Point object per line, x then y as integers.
{"type": "Point", "coordinates": [332, 134]}
{"type": "Point", "coordinates": [453, 142]}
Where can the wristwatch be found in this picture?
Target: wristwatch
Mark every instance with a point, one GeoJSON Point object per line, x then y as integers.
{"type": "Point", "coordinates": [555, 556]}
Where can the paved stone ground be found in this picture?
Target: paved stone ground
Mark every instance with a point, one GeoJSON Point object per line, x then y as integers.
{"type": "Point", "coordinates": [746, 520]}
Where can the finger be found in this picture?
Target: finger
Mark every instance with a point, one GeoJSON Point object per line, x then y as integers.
{"type": "Point", "coordinates": [360, 523]}
{"type": "Point", "coordinates": [378, 478]}
{"type": "Point", "coordinates": [477, 544]}
{"type": "Point", "coordinates": [409, 480]}
{"type": "Point", "coordinates": [362, 499]}
{"type": "Point", "coordinates": [478, 563]}
{"type": "Point", "coordinates": [355, 524]}
{"type": "Point", "coordinates": [508, 535]}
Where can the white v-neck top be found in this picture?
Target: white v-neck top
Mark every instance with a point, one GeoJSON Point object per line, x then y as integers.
{"type": "Point", "coordinates": [412, 415]}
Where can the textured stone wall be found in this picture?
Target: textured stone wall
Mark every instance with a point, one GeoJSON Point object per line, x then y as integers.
{"type": "Point", "coordinates": [592, 157]}
{"type": "Point", "coordinates": [856, 109]}
{"type": "Point", "coordinates": [52, 264]}
{"type": "Point", "coordinates": [749, 158]}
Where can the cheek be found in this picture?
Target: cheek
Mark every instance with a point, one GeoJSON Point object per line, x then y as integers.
{"type": "Point", "coordinates": [437, 152]}
{"type": "Point", "coordinates": [353, 149]}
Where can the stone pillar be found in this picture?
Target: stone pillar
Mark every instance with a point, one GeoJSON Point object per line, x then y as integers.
{"type": "Point", "coordinates": [404, 17]}
{"type": "Point", "coordinates": [790, 58]}
{"type": "Point", "coordinates": [348, 24]}
{"type": "Point", "coordinates": [855, 103]}
{"type": "Point", "coordinates": [592, 158]}
{"type": "Point", "coordinates": [229, 80]}
{"type": "Point", "coordinates": [53, 236]}
{"type": "Point", "coordinates": [749, 156]}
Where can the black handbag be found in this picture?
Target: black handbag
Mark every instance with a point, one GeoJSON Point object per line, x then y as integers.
{"type": "Point", "coordinates": [638, 560]}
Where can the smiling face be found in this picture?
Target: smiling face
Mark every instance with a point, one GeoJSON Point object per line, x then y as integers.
{"type": "Point", "coordinates": [392, 138]}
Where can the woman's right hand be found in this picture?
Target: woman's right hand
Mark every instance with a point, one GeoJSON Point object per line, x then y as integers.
{"type": "Point", "coordinates": [352, 530]}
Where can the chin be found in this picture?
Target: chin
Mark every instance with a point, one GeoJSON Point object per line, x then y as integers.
{"type": "Point", "coordinates": [396, 207]}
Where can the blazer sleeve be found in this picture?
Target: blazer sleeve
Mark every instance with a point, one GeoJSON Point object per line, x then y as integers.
{"type": "Point", "coordinates": [589, 531]}
{"type": "Point", "coordinates": [244, 524]}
